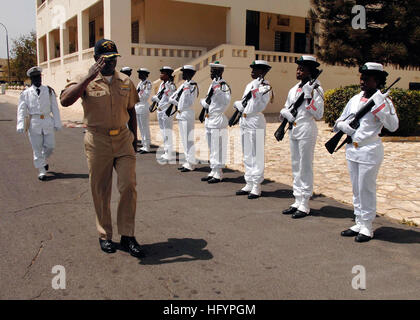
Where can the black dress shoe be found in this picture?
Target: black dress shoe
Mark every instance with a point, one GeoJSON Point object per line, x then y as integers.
{"type": "Point", "coordinates": [362, 238]}
{"type": "Point", "coordinates": [46, 167]}
{"type": "Point", "coordinates": [253, 196]}
{"type": "Point", "coordinates": [299, 214]}
{"type": "Point", "coordinates": [206, 178]}
{"type": "Point", "coordinates": [349, 233]}
{"type": "Point", "coordinates": [181, 168]}
{"type": "Point", "coordinates": [107, 246]}
{"type": "Point", "coordinates": [130, 244]}
{"type": "Point", "coordinates": [242, 193]}
{"type": "Point", "coordinates": [214, 180]}
{"type": "Point", "coordinates": [290, 210]}
{"type": "Point", "coordinates": [185, 170]}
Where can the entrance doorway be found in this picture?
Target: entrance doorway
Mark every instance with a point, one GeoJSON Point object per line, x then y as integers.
{"type": "Point", "coordinates": [253, 29]}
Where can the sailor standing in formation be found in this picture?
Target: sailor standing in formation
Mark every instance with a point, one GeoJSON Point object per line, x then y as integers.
{"type": "Point", "coordinates": [366, 153]}
{"type": "Point", "coordinates": [36, 104]}
{"type": "Point", "coordinates": [303, 133]}
{"type": "Point", "coordinates": [166, 90]}
{"type": "Point", "coordinates": [183, 100]}
{"type": "Point", "coordinates": [252, 124]}
{"type": "Point", "coordinates": [144, 89]}
{"type": "Point", "coordinates": [216, 123]}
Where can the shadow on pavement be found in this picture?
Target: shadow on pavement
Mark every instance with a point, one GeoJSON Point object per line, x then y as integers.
{"type": "Point", "coordinates": [175, 250]}
{"type": "Point", "coordinates": [397, 235]}
{"type": "Point", "coordinates": [59, 175]}
{"type": "Point", "coordinates": [280, 193]}
{"type": "Point", "coordinates": [333, 212]}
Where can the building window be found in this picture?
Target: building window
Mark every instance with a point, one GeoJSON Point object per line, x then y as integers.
{"type": "Point", "coordinates": [92, 34]}
{"type": "Point", "coordinates": [135, 32]}
{"type": "Point", "coordinates": [283, 21]}
{"type": "Point", "coordinates": [300, 42]}
{"type": "Point", "coordinates": [282, 41]}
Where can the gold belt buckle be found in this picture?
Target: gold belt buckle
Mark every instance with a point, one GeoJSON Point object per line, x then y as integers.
{"type": "Point", "coordinates": [244, 115]}
{"type": "Point", "coordinates": [159, 109]}
{"type": "Point", "coordinates": [356, 144]}
{"type": "Point", "coordinates": [114, 132]}
{"type": "Point", "coordinates": [294, 124]}
{"type": "Point", "coordinates": [207, 115]}
{"type": "Point", "coordinates": [42, 117]}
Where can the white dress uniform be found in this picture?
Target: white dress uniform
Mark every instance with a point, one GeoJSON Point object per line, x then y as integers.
{"type": "Point", "coordinates": [252, 127]}
{"type": "Point", "coordinates": [144, 88]}
{"type": "Point", "coordinates": [165, 122]}
{"type": "Point", "coordinates": [186, 120]}
{"type": "Point", "coordinates": [216, 124]}
{"type": "Point", "coordinates": [303, 137]}
{"type": "Point", "coordinates": [365, 155]}
{"type": "Point", "coordinates": [41, 124]}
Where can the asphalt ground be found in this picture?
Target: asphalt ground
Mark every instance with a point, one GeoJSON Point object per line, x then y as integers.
{"type": "Point", "coordinates": [200, 240]}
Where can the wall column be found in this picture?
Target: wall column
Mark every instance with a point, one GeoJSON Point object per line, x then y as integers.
{"type": "Point", "coordinates": [236, 26]}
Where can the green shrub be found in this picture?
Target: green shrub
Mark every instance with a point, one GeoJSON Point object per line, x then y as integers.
{"type": "Point", "coordinates": [406, 103]}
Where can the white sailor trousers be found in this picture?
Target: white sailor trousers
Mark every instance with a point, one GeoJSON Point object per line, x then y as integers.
{"type": "Point", "coordinates": [217, 142]}
{"type": "Point", "coordinates": [186, 132]}
{"type": "Point", "coordinates": [42, 145]}
{"type": "Point", "coordinates": [302, 152]}
{"type": "Point", "coordinates": [253, 151]}
{"type": "Point", "coordinates": [143, 123]}
{"type": "Point", "coordinates": [166, 128]}
{"type": "Point", "coordinates": [363, 180]}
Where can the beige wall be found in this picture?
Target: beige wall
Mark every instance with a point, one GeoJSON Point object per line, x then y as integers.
{"type": "Point", "coordinates": [171, 23]}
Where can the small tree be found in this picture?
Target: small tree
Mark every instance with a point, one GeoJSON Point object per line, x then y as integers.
{"type": "Point", "coordinates": [23, 55]}
{"type": "Point", "coordinates": [392, 33]}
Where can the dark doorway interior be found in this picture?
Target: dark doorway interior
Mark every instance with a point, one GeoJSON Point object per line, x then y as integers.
{"type": "Point", "coordinates": [92, 33]}
{"type": "Point", "coordinates": [253, 29]}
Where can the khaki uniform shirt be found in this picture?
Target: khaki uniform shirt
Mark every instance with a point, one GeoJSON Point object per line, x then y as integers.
{"type": "Point", "coordinates": [105, 104]}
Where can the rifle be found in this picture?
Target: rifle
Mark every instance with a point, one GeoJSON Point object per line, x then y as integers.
{"type": "Point", "coordinates": [169, 110]}
{"type": "Point", "coordinates": [235, 118]}
{"type": "Point", "coordinates": [153, 107]}
{"type": "Point", "coordinates": [208, 101]}
{"type": "Point", "coordinates": [355, 123]}
{"type": "Point", "coordinates": [279, 134]}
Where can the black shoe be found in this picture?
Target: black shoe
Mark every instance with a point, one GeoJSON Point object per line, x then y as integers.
{"type": "Point", "coordinates": [130, 244]}
{"type": "Point", "coordinates": [362, 238]}
{"type": "Point", "coordinates": [185, 170]}
{"type": "Point", "coordinates": [181, 168]}
{"type": "Point", "coordinates": [252, 196]}
{"type": "Point", "coordinates": [42, 177]}
{"type": "Point", "coordinates": [214, 180]}
{"type": "Point", "coordinates": [46, 167]}
{"type": "Point", "coordinates": [107, 246]}
{"type": "Point", "coordinates": [206, 178]}
{"type": "Point", "coordinates": [349, 233]}
{"type": "Point", "coordinates": [290, 210]}
{"type": "Point", "coordinates": [299, 214]}
{"type": "Point", "coordinates": [242, 193]}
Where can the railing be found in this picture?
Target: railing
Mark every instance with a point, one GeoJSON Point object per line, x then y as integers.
{"type": "Point", "coordinates": [55, 62]}
{"type": "Point", "coordinates": [152, 50]}
{"type": "Point", "coordinates": [70, 58]}
{"type": "Point", "coordinates": [279, 57]}
{"type": "Point", "coordinates": [87, 53]}
{"type": "Point", "coordinates": [42, 6]}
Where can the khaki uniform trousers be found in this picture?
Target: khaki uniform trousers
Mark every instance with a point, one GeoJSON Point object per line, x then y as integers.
{"type": "Point", "coordinates": [105, 153]}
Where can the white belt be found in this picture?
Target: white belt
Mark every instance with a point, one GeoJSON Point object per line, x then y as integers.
{"type": "Point", "coordinates": [40, 116]}
{"type": "Point", "coordinates": [359, 144]}
{"type": "Point", "coordinates": [249, 115]}
{"type": "Point", "coordinates": [213, 114]}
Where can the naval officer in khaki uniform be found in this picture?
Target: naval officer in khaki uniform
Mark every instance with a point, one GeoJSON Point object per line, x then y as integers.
{"type": "Point", "coordinates": [108, 99]}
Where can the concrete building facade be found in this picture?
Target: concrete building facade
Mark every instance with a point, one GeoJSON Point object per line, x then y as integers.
{"type": "Point", "coordinates": [153, 33]}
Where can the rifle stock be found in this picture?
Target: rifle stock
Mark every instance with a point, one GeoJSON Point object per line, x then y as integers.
{"type": "Point", "coordinates": [279, 134]}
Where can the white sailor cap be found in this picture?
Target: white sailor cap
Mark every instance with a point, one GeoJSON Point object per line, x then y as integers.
{"type": "Point", "coordinates": [167, 69]}
{"type": "Point", "coordinates": [308, 60]}
{"type": "Point", "coordinates": [188, 67]}
{"type": "Point", "coordinates": [145, 70]}
{"type": "Point", "coordinates": [260, 63]}
{"type": "Point", "coordinates": [34, 71]}
{"type": "Point", "coordinates": [217, 64]}
{"type": "Point", "coordinates": [126, 69]}
{"type": "Point", "coordinates": [372, 67]}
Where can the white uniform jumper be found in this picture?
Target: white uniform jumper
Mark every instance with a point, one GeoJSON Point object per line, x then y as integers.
{"type": "Point", "coordinates": [165, 122]}
{"type": "Point", "coordinates": [303, 137]}
{"type": "Point", "coordinates": [186, 120]}
{"type": "Point", "coordinates": [42, 124]}
{"type": "Point", "coordinates": [365, 156]}
{"type": "Point", "coordinates": [252, 125]}
{"type": "Point", "coordinates": [216, 124]}
{"type": "Point", "coordinates": [144, 88]}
